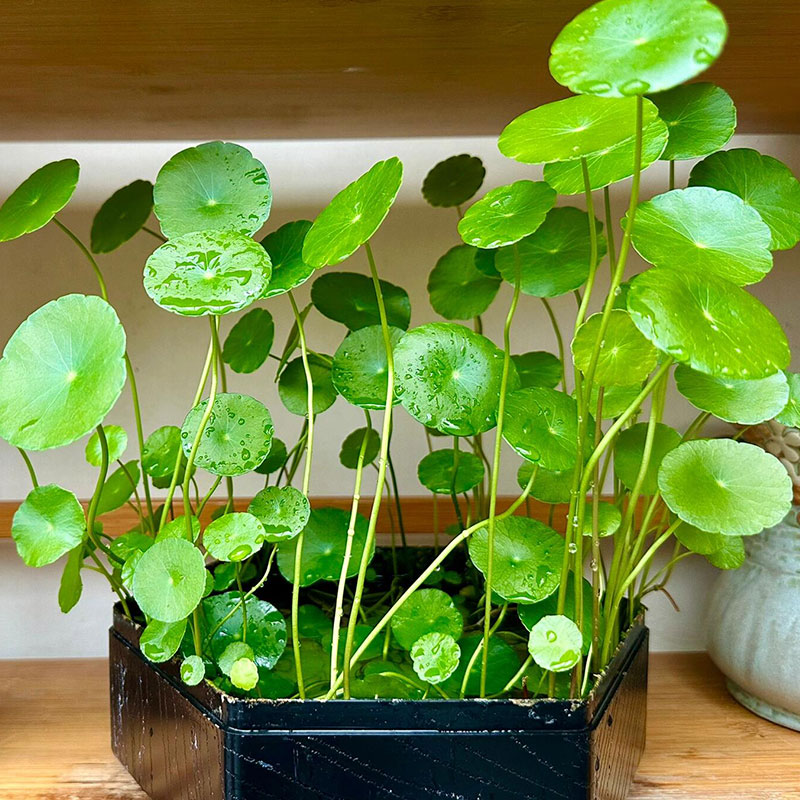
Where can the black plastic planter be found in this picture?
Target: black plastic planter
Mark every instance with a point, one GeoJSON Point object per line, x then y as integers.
{"type": "Point", "coordinates": [194, 743]}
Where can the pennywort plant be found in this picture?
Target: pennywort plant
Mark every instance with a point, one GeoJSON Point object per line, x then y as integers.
{"type": "Point", "coordinates": [287, 599]}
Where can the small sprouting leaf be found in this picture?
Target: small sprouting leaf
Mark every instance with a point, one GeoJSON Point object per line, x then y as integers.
{"type": "Point", "coordinates": [169, 580]}
{"type": "Point", "coordinates": [618, 48]}
{"type": "Point", "coordinates": [426, 611]}
{"type": "Point", "coordinates": [283, 511]}
{"type": "Point", "coordinates": [293, 386]}
{"type": "Point", "coordinates": [726, 487]}
{"type": "Point", "coordinates": [538, 368]}
{"type": "Point", "coordinates": [704, 231]}
{"type": "Point", "coordinates": [555, 643]}
{"type": "Point", "coordinates": [453, 181]}
{"type": "Point", "coordinates": [625, 356]}
{"type": "Point", "coordinates": [527, 558]}
{"type": "Point", "coordinates": [250, 341]}
{"type": "Point", "coordinates": [708, 323]}
{"type": "Point", "coordinates": [730, 556]}
{"type": "Point", "coordinates": [629, 451]}
{"type": "Point", "coordinates": [549, 486]}
{"type": "Point", "coordinates": [351, 447]}
{"type": "Point", "coordinates": [349, 298]}
{"type": "Point", "coordinates": [216, 186]}
{"type": "Point", "coordinates": [71, 586]}
{"type": "Point", "coordinates": [609, 519]}
{"type": "Point", "coordinates": [360, 370]}
{"type": "Point", "coordinates": [457, 288]}
{"type": "Point", "coordinates": [502, 665]}
{"type": "Point", "coordinates": [38, 199]}
{"type": "Point", "coordinates": [193, 670]}
{"type": "Point", "coordinates": [61, 372]}
{"type": "Point", "coordinates": [120, 485]}
{"type": "Point", "coordinates": [178, 529]}
{"type": "Point", "coordinates": [506, 214]}
{"type": "Point", "coordinates": [122, 216]}
{"type": "Point", "coordinates": [285, 249]}
{"type": "Point", "coordinates": [117, 440]}
{"type": "Point", "coordinates": [234, 537]}
{"type": "Point", "coordinates": [232, 653]}
{"type": "Point", "coordinates": [276, 458]}
{"type": "Point", "coordinates": [701, 119]}
{"type": "Point", "coordinates": [244, 674]}
{"type": "Point", "coordinates": [48, 524]}
{"type": "Point", "coordinates": [207, 272]}
{"type": "Point", "coordinates": [790, 415]}
{"type": "Point", "coordinates": [353, 216]}
{"type": "Point", "coordinates": [161, 640]}
{"type": "Point", "coordinates": [435, 472]}
{"type": "Point", "coordinates": [435, 657]}
{"type": "Point", "coordinates": [733, 399]}
{"type": "Point", "coordinates": [237, 437]}
{"type": "Point", "coordinates": [763, 182]}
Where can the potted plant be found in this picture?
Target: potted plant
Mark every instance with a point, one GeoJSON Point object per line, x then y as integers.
{"type": "Point", "coordinates": [274, 651]}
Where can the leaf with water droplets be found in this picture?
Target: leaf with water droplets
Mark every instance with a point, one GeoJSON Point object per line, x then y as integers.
{"type": "Point", "coordinates": [250, 341]}
{"type": "Point", "coordinates": [293, 386]}
{"type": "Point", "coordinates": [275, 460]}
{"type": "Point", "coordinates": [435, 657]}
{"type": "Point", "coordinates": [629, 451]}
{"type": "Point", "coordinates": [457, 288]}
{"type": "Point", "coordinates": [351, 447]}
{"type": "Point", "coordinates": [160, 454]}
{"type": "Point", "coordinates": [285, 249]}
{"type": "Point", "coordinates": [282, 510]}
{"type": "Point", "coordinates": [122, 216]}
{"type": "Point", "coordinates": [555, 643]}
{"type": "Point", "coordinates": [234, 537]}
{"type": "Point", "coordinates": [117, 440]}
{"type": "Point", "coordinates": [435, 472]}
{"type": "Point", "coordinates": [453, 181]}
{"type": "Point", "coordinates": [193, 670]}
{"type": "Point", "coordinates": [426, 611]}
{"type": "Point", "coordinates": [160, 640]}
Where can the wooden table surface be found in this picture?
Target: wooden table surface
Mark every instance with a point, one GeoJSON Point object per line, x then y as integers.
{"type": "Point", "coordinates": [54, 737]}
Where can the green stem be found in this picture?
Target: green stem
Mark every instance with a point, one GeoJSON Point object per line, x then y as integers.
{"type": "Point", "coordinates": [453, 494]}
{"type": "Point", "coordinates": [671, 175]}
{"type": "Point", "coordinates": [154, 234]}
{"type": "Point", "coordinates": [587, 192]}
{"type": "Point", "coordinates": [29, 465]}
{"type": "Point", "coordinates": [612, 255]}
{"type": "Point", "coordinates": [479, 650]}
{"type": "Point", "coordinates": [559, 340]}
{"type": "Point", "coordinates": [89, 257]}
{"type": "Point", "coordinates": [397, 503]}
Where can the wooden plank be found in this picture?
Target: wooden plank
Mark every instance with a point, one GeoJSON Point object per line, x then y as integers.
{"type": "Point", "coordinates": [701, 745]}
{"type": "Point", "coordinates": [89, 69]}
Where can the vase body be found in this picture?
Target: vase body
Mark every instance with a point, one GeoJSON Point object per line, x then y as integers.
{"type": "Point", "coordinates": [754, 624]}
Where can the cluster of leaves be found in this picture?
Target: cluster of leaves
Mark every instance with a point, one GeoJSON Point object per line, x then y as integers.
{"type": "Point", "coordinates": [345, 619]}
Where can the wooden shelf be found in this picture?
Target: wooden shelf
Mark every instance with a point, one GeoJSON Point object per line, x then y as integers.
{"type": "Point", "coordinates": [328, 68]}
{"type": "Point", "coordinates": [54, 737]}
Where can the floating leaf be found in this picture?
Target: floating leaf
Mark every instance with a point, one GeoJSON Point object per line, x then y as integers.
{"type": "Point", "coordinates": [351, 447]}
{"type": "Point", "coordinates": [120, 485]}
{"type": "Point", "coordinates": [790, 415]}
{"type": "Point", "coordinates": [236, 439]}
{"type": "Point", "coordinates": [502, 664]}
{"type": "Point", "coordinates": [704, 231]}
{"type": "Point", "coordinates": [216, 186]}
{"type": "Point", "coordinates": [38, 199]}
{"type": "Point", "coordinates": [276, 458]}
{"type": "Point", "coordinates": [349, 298]}
{"type": "Point", "coordinates": [160, 640]}
{"type": "Point", "coordinates": [353, 216]}
{"type": "Point", "coordinates": [48, 524]}
{"type": "Point", "coordinates": [169, 580]}
{"type": "Point", "coordinates": [506, 214]}
{"type": "Point", "coordinates": [285, 249]}
{"type": "Point", "coordinates": [453, 181]}
{"type": "Point", "coordinates": [178, 529]}
{"type": "Point", "coordinates": [555, 643]}
{"type": "Point", "coordinates": [122, 216]}
{"type": "Point", "coordinates": [527, 558]}
{"type": "Point", "coordinates": [71, 586]}
{"type": "Point", "coordinates": [732, 399]}
{"type": "Point", "coordinates": [708, 323]}
{"type": "Point", "coordinates": [724, 486]}
{"type": "Point", "coordinates": [234, 537]}
{"type": "Point", "coordinates": [701, 119]}
{"type": "Point", "coordinates": [61, 372]}
{"type": "Point", "coordinates": [618, 48]}
{"type": "Point", "coordinates": [193, 670]}
{"type": "Point", "coordinates": [160, 453]}
{"type": "Point", "coordinates": [117, 440]}
{"type": "Point", "coordinates": [763, 182]}
{"type": "Point", "coordinates": [549, 486]}
{"type": "Point", "coordinates": [207, 272]}
{"type": "Point", "coordinates": [426, 611]}
{"type": "Point", "coordinates": [283, 511]}
{"type": "Point", "coordinates": [538, 368]}
{"type": "Point", "coordinates": [250, 341]}
{"type": "Point", "coordinates": [629, 451]}
{"type": "Point", "coordinates": [435, 657]}
{"type": "Point", "coordinates": [457, 288]}
{"type": "Point", "coordinates": [293, 386]}
{"type": "Point", "coordinates": [435, 472]}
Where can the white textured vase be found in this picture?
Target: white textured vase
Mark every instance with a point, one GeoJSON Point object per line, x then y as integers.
{"type": "Point", "coordinates": [754, 624]}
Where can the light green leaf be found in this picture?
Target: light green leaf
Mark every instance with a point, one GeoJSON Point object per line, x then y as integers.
{"type": "Point", "coordinates": [730, 556]}
{"type": "Point", "coordinates": [629, 451]}
{"type": "Point", "coordinates": [457, 288]}
{"type": "Point", "coordinates": [71, 586]}
{"type": "Point", "coordinates": [122, 216]}
{"type": "Point", "coordinates": [293, 386]}
{"type": "Point", "coordinates": [351, 447]}
{"type": "Point", "coordinates": [117, 440]}
{"type": "Point", "coordinates": [549, 486]}
{"type": "Point", "coordinates": [555, 643]}
{"type": "Point", "coordinates": [234, 537]}
{"type": "Point", "coordinates": [701, 542]}
{"type": "Point", "coordinates": [160, 640]}
{"type": "Point", "coordinates": [615, 399]}
{"type": "Point", "coordinates": [435, 657]}
{"type": "Point", "coordinates": [244, 674]}
{"type": "Point", "coordinates": [608, 519]}
{"type": "Point", "coordinates": [453, 181]}
{"type": "Point", "coordinates": [123, 547]}
{"type": "Point", "coordinates": [161, 450]}
{"type": "Point", "coordinates": [426, 611]}
{"type": "Point", "coordinates": [250, 341]}
{"type": "Point", "coordinates": [232, 653]}
{"type": "Point", "coordinates": [193, 670]}
{"type": "Point", "coordinates": [285, 249]}
{"type": "Point", "coordinates": [435, 472]}
{"type": "Point", "coordinates": [283, 511]}
{"type": "Point", "coordinates": [178, 529]}
{"type": "Point", "coordinates": [790, 415]}
{"type": "Point", "coordinates": [120, 485]}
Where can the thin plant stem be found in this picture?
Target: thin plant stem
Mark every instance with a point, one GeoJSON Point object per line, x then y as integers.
{"type": "Point", "coordinates": [453, 495]}
{"type": "Point", "coordinates": [208, 495]}
{"type": "Point", "coordinates": [154, 234]}
{"type": "Point", "coordinates": [559, 340]}
{"type": "Point", "coordinates": [29, 465]}
{"type": "Point", "coordinates": [479, 650]}
{"type": "Point", "coordinates": [612, 256]}
{"type": "Point", "coordinates": [89, 257]}
{"type": "Point", "coordinates": [397, 503]}
{"type": "Point", "coordinates": [223, 380]}
{"type": "Point", "coordinates": [671, 174]}
{"type": "Point", "coordinates": [587, 192]}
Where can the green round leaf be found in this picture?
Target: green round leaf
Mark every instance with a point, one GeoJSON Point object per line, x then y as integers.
{"type": "Point", "coordinates": [232, 653]}
{"type": "Point", "coordinates": [763, 182]}
{"type": "Point", "coordinates": [236, 439]}
{"type": "Point", "coordinates": [207, 272]}
{"type": "Point", "coordinates": [234, 537]}
{"type": "Point", "coordinates": [701, 542]}
{"type": "Point", "coordinates": [608, 520]}
{"type": "Point", "coordinates": [732, 399]}
{"type": "Point", "coordinates": [48, 524]}
{"type": "Point", "coordinates": [276, 458]}
{"type": "Point", "coordinates": [178, 529]}
{"type": "Point", "coordinates": [708, 323]}
{"type": "Point", "coordinates": [548, 486]}
{"type": "Point", "coordinates": [160, 452]}
{"type": "Point", "coordinates": [701, 119]}
{"type": "Point", "coordinates": [730, 556]}
{"type": "Point", "coordinates": [118, 488]}
{"type": "Point", "coordinates": [538, 368]}
{"type": "Point", "coordinates": [160, 640]}
{"type": "Point", "coordinates": [70, 588]}
{"type": "Point", "coordinates": [283, 511]}
{"type": "Point", "coordinates": [502, 664]}
{"type": "Point", "coordinates": [527, 558]}
{"type": "Point", "coordinates": [351, 447]}
{"type": "Point", "coordinates": [615, 398]}
{"type": "Point", "coordinates": [123, 547]}
{"type": "Point", "coordinates": [244, 674]}
{"type": "Point", "coordinates": [790, 415]}
{"type": "Point", "coordinates": [453, 181]}
{"type": "Point", "coordinates": [435, 657]}
{"type": "Point", "coordinates": [360, 371]}
{"type": "Point", "coordinates": [61, 372]}
{"type": "Point", "coordinates": [313, 623]}
{"type": "Point", "coordinates": [169, 580]}
{"type": "Point", "coordinates": [38, 199]}
{"type": "Point", "coordinates": [349, 298]}
{"type": "Point", "coordinates": [484, 262]}
{"type": "Point", "coordinates": [353, 216]}
{"type": "Point", "coordinates": [293, 386]}
{"type": "Point", "coordinates": [121, 217]}
{"type": "Point", "coordinates": [435, 472]}
{"type": "Point", "coordinates": [555, 643]}
{"type": "Point", "coordinates": [250, 341]}
{"type": "Point", "coordinates": [285, 249]}
{"type": "Point", "coordinates": [506, 214]}
{"type": "Point", "coordinates": [542, 426]}
{"type": "Point", "coordinates": [426, 611]}
{"type": "Point", "coordinates": [193, 670]}
{"type": "Point", "coordinates": [556, 258]}
{"type": "Point", "coordinates": [448, 378]}
{"type": "Point", "coordinates": [324, 543]}
{"type": "Point", "coordinates": [629, 450]}
{"type": "Point", "coordinates": [618, 48]}
{"type": "Point", "coordinates": [216, 186]}
{"type": "Point", "coordinates": [704, 231]}
{"type": "Point", "coordinates": [726, 487]}
{"type": "Point", "coordinates": [457, 288]}
{"type": "Point", "coordinates": [625, 355]}
{"type": "Point", "coordinates": [117, 440]}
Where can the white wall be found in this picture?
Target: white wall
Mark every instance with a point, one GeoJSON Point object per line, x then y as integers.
{"type": "Point", "coordinates": [168, 350]}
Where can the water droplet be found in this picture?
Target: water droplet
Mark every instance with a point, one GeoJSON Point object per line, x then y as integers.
{"type": "Point", "coordinates": [552, 636]}
{"type": "Point", "coordinates": [633, 87]}
{"type": "Point", "coordinates": [573, 548]}
{"type": "Point", "coordinates": [703, 56]}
